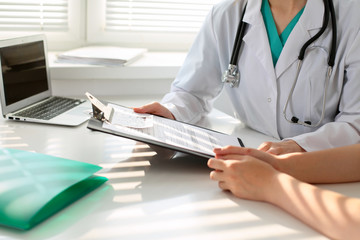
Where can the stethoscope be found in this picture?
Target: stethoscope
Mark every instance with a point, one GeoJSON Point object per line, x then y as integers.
{"type": "Point", "coordinates": [232, 76]}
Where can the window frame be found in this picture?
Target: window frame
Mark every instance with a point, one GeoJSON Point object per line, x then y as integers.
{"type": "Point", "coordinates": [96, 17]}
{"type": "Point", "coordinates": [86, 21]}
{"type": "Point", "coordinates": [58, 41]}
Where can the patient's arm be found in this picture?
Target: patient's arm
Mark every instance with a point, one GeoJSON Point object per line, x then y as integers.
{"type": "Point", "coordinates": [335, 165]}
{"type": "Point", "coordinates": [333, 214]}
{"type": "Point", "coordinates": [328, 166]}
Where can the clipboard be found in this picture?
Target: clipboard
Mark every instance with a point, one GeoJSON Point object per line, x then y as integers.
{"type": "Point", "coordinates": [151, 129]}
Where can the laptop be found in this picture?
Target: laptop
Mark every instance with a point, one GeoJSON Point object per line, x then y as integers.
{"type": "Point", "coordinates": [25, 86]}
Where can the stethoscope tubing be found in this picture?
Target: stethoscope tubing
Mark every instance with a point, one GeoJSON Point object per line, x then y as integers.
{"type": "Point", "coordinates": [239, 35]}
{"type": "Point", "coordinates": [329, 7]}
{"type": "Point", "coordinates": [328, 10]}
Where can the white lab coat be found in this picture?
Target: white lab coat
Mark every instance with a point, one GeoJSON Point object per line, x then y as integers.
{"type": "Point", "coordinates": [260, 98]}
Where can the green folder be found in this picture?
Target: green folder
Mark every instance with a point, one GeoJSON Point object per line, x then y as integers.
{"type": "Point", "coordinates": [35, 186]}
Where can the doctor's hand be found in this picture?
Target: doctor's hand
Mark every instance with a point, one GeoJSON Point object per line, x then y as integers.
{"type": "Point", "coordinates": [155, 108]}
{"type": "Point", "coordinates": [277, 148]}
{"type": "Point", "coordinates": [246, 177]}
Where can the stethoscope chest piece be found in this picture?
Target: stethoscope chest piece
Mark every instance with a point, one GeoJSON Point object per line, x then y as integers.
{"type": "Point", "coordinates": [231, 76]}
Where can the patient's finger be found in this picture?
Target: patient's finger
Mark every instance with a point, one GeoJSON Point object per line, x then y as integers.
{"type": "Point", "coordinates": [216, 164]}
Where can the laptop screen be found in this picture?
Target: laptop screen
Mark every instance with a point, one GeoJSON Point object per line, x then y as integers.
{"type": "Point", "coordinates": [24, 71]}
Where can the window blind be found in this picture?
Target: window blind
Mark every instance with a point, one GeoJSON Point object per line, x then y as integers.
{"type": "Point", "coordinates": [33, 15]}
{"type": "Point", "coordinates": [156, 15]}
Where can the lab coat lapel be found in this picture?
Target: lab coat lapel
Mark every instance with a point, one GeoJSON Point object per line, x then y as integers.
{"type": "Point", "coordinates": [256, 38]}
{"type": "Point", "coordinates": [309, 24]}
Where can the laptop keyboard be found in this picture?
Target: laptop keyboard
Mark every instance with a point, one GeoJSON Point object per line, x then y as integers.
{"type": "Point", "coordinates": [50, 108]}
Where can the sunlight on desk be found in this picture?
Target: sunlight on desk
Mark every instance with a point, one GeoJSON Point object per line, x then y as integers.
{"type": "Point", "coordinates": [126, 186]}
{"type": "Point", "coordinates": [15, 145]}
{"type": "Point", "coordinates": [183, 224]}
{"type": "Point", "coordinates": [114, 144]}
{"type": "Point", "coordinates": [138, 146]}
{"type": "Point", "coordinates": [9, 138]}
{"type": "Point", "coordinates": [125, 164]}
{"type": "Point", "coordinates": [128, 174]}
{"type": "Point", "coordinates": [53, 146]}
{"type": "Point", "coordinates": [119, 149]}
{"type": "Point", "coordinates": [130, 198]}
{"type": "Point", "coordinates": [206, 205]}
{"type": "Point", "coordinates": [5, 130]}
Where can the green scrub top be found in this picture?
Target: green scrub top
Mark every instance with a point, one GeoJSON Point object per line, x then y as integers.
{"type": "Point", "coordinates": [276, 42]}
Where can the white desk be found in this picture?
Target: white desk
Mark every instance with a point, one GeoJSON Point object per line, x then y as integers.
{"type": "Point", "coordinates": [150, 195]}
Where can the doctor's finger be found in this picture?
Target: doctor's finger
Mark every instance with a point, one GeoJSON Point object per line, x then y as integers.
{"type": "Point", "coordinates": [155, 108]}
{"type": "Point", "coordinates": [149, 108]}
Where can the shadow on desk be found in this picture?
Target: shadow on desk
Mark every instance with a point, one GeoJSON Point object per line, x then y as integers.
{"type": "Point", "coordinates": [160, 193]}
{"type": "Point", "coordinates": [155, 173]}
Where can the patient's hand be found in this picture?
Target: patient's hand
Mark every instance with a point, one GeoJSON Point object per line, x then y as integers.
{"type": "Point", "coordinates": [246, 177]}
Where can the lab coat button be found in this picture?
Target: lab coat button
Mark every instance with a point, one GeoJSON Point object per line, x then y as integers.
{"type": "Point", "coordinates": [269, 99]}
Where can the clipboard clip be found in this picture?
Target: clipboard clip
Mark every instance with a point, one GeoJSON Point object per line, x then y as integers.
{"type": "Point", "coordinates": [100, 111]}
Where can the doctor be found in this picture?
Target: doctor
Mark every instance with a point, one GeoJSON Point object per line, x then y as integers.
{"type": "Point", "coordinates": [276, 95]}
